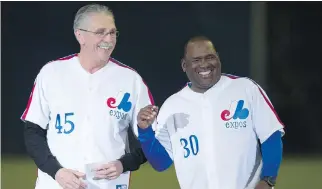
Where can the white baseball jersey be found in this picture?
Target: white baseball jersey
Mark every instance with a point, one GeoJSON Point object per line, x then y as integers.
{"type": "Point", "coordinates": [86, 115]}
{"type": "Point", "coordinates": [213, 137]}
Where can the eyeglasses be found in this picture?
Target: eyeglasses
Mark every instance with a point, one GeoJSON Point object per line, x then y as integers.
{"type": "Point", "coordinates": [101, 34]}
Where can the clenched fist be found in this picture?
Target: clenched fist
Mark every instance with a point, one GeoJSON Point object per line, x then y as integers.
{"type": "Point", "coordinates": [147, 116]}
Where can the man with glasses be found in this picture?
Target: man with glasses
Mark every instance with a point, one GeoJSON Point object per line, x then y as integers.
{"type": "Point", "coordinates": [220, 131]}
{"type": "Point", "coordinates": [80, 109]}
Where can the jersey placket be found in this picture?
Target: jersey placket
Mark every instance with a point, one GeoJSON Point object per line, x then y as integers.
{"type": "Point", "coordinates": [87, 130]}
{"type": "Point", "coordinates": [207, 128]}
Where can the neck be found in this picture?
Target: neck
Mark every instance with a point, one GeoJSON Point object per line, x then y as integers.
{"type": "Point", "coordinates": [89, 64]}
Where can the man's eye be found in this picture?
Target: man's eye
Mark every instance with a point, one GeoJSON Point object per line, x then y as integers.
{"type": "Point", "coordinates": [210, 57]}
{"type": "Point", "coordinates": [99, 33]}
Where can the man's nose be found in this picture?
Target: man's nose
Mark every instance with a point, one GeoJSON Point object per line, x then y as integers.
{"type": "Point", "coordinates": [203, 63]}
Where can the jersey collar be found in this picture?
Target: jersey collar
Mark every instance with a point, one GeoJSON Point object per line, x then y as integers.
{"type": "Point", "coordinates": [189, 93]}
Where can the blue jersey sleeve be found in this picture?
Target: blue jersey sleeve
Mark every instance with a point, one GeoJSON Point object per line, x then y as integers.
{"type": "Point", "coordinates": [154, 151]}
{"type": "Point", "coordinates": [272, 150]}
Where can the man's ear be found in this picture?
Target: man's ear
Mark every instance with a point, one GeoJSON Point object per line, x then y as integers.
{"type": "Point", "coordinates": [79, 37]}
{"type": "Point", "coordinates": [183, 64]}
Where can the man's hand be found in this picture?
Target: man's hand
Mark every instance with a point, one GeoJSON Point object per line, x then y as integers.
{"type": "Point", "coordinates": [109, 171]}
{"type": "Point", "coordinates": [147, 116]}
{"type": "Point", "coordinates": [70, 179]}
{"type": "Point", "coordinates": [262, 185]}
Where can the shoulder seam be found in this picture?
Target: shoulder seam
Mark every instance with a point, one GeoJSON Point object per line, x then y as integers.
{"type": "Point", "coordinates": [239, 77]}
{"type": "Point", "coordinates": [118, 63]}
{"type": "Point", "coordinates": [68, 57]}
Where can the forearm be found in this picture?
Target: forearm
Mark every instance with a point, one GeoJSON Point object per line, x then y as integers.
{"type": "Point", "coordinates": [132, 161]}
{"type": "Point", "coordinates": [272, 150]}
{"type": "Point", "coordinates": [38, 149]}
{"type": "Point", "coordinates": [155, 153]}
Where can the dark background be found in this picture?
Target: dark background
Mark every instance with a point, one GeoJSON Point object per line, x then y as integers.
{"type": "Point", "coordinates": [152, 35]}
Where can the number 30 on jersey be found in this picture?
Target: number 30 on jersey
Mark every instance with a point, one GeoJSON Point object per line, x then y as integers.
{"type": "Point", "coordinates": [65, 123]}
{"type": "Point", "coordinates": [190, 145]}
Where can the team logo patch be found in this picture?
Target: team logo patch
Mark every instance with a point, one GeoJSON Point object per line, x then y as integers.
{"type": "Point", "coordinates": [236, 116]}
{"type": "Point", "coordinates": [120, 106]}
{"type": "Point", "coordinates": [121, 186]}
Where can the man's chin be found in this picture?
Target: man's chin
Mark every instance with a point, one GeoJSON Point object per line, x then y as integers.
{"type": "Point", "coordinates": [206, 82]}
{"type": "Point", "coordinates": [104, 56]}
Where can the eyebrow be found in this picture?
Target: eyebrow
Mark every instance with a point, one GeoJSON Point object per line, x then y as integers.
{"type": "Point", "coordinates": [105, 29]}
{"type": "Point", "coordinates": [197, 57]}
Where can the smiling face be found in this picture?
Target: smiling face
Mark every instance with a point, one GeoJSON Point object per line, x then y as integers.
{"type": "Point", "coordinates": [202, 65]}
{"type": "Point", "coordinates": [98, 36]}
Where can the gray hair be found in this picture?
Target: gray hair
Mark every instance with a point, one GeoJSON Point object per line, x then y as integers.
{"type": "Point", "coordinates": [86, 10]}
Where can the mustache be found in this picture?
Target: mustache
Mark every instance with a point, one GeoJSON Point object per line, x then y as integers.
{"type": "Point", "coordinates": [108, 45]}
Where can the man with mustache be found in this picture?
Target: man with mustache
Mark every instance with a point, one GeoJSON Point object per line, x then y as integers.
{"type": "Point", "coordinates": [221, 131]}
{"type": "Point", "coordinates": [80, 109]}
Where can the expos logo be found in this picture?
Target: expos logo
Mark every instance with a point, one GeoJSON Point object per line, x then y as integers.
{"type": "Point", "coordinates": [239, 113]}
{"type": "Point", "coordinates": [119, 106]}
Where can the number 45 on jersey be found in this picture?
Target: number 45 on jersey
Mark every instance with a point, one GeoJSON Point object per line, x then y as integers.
{"type": "Point", "coordinates": [64, 123]}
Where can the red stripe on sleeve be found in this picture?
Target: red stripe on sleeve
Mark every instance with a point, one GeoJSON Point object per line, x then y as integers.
{"type": "Point", "coordinates": [270, 105]}
{"type": "Point", "coordinates": [28, 104]}
{"type": "Point", "coordinates": [149, 92]}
